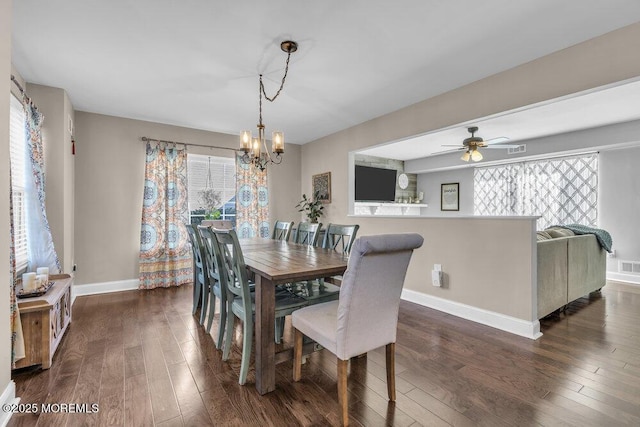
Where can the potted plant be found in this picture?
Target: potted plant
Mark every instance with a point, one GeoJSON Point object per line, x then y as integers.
{"type": "Point", "coordinates": [311, 207]}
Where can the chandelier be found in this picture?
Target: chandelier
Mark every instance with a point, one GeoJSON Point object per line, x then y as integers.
{"type": "Point", "coordinates": [255, 149]}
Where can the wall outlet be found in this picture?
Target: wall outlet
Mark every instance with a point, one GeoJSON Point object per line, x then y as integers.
{"type": "Point", "coordinates": [436, 278]}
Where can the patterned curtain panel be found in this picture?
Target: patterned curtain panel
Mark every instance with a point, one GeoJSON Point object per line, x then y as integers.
{"type": "Point", "coordinates": [41, 252]}
{"type": "Point", "coordinates": [252, 201]}
{"type": "Point", "coordinates": [17, 338]}
{"type": "Point", "coordinates": [495, 190]}
{"type": "Point", "coordinates": [165, 252]}
{"type": "Point", "coordinates": [562, 190]}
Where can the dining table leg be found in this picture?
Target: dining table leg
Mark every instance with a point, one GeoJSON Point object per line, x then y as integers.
{"type": "Point", "coordinates": [265, 335]}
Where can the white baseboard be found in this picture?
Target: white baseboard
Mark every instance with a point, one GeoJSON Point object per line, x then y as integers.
{"type": "Point", "coordinates": [8, 397]}
{"type": "Point", "coordinates": [103, 288]}
{"type": "Point", "coordinates": [503, 322]}
{"type": "Point", "coordinates": [622, 277]}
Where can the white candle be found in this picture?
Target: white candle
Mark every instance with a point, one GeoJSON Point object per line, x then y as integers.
{"type": "Point", "coordinates": [43, 271]}
{"type": "Point", "coordinates": [29, 282]}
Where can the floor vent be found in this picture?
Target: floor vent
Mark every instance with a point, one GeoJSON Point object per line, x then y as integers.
{"type": "Point", "coordinates": [522, 148]}
{"type": "Point", "coordinates": [629, 267]}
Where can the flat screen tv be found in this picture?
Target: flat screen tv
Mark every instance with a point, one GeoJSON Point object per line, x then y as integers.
{"type": "Point", "coordinates": [375, 184]}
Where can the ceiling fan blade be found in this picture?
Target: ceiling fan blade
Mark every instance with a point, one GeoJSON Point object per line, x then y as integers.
{"type": "Point", "coordinates": [451, 145]}
{"type": "Point", "coordinates": [437, 153]}
{"type": "Point", "coordinates": [502, 146]}
{"type": "Point", "coordinates": [496, 140]}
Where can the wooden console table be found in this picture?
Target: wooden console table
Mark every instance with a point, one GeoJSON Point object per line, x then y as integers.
{"type": "Point", "coordinates": [44, 321]}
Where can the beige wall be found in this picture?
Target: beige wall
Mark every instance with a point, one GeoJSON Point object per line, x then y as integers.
{"type": "Point", "coordinates": [284, 186]}
{"type": "Point", "coordinates": [54, 103]}
{"type": "Point", "coordinates": [487, 262]}
{"type": "Point", "coordinates": [5, 72]}
{"type": "Point", "coordinates": [109, 178]}
{"type": "Point", "coordinates": [604, 60]}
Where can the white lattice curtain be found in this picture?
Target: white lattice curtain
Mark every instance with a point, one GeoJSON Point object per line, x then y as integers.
{"type": "Point", "coordinates": [562, 190]}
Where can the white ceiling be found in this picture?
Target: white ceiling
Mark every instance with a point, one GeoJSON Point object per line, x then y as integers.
{"type": "Point", "coordinates": [195, 63]}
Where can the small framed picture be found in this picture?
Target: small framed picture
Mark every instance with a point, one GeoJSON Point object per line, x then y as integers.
{"type": "Point", "coordinates": [322, 185]}
{"type": "Point", "coordinates": [450, 197]}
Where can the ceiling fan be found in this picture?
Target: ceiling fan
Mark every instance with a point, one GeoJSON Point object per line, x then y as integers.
{"type": "Point", "coordinates": [472, 144]}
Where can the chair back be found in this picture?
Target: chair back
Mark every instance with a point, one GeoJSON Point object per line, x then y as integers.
{"type": "Point", "coordinates": [370, 292]}
{"type": "Point", "coordinates": [282, 230]}
{"type": "Point", "coordinates": [211, 258]}
{"type": "Point", "coordinates": [340, 237]}
{"type": "Point", "coordinates": [233, 271]}
{"type": "Point", "coordinates": [198, 252]}
{"type": "Point", "coordinates": [308, 233]}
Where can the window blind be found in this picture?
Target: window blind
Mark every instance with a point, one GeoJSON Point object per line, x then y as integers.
{"type": "Point", "coordinates": [222, 179]}
{"type": "Point", "coordinates": [18, 169]}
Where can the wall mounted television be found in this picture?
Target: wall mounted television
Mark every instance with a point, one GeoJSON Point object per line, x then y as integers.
{"type": "Point", "coordinates": [375, 184]}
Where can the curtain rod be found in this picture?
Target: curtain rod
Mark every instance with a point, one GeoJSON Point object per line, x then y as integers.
{"type": "Point", "coordinates": [22, 91]}
{"type": "Point", "coordinates": [147, 139]}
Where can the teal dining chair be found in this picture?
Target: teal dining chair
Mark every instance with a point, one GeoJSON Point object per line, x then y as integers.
{"type": "Point", "coordinates": [282, 230]}
{"type": "Point", "coordinates": [339, 238]}
{"type": "Point", "coordinates": [212, 267]}
{"type": "Point", "coordinates": [241, 301]}
{"type": "Point", "coordinates": [307, 233]}
{"type": "Point", "coordinates": [200, 279]}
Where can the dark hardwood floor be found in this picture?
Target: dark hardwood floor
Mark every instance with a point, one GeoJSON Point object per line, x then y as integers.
{"type": "Point", "coordinates": [145, 360]}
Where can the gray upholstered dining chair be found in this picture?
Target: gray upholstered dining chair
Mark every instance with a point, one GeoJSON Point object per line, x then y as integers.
{"type": "Point", "coordinates": [369, 302]}
{"type": "Point", "coordinates": [240, 299]}
{"type": "Point", "coordinates": [282, 230]}
{"type": "Point", "coordinates": [200, 278]}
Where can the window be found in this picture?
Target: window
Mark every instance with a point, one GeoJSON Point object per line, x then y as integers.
{"type": "Point", "coordinates": [562, 190]}
{"type": "Point", "coordinates": [212, 188]}
{"type": "Point", "coordinates": [18, 167]}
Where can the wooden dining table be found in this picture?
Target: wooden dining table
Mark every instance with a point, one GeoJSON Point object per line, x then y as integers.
{"type": "Point", "coordinates": [275, 262]}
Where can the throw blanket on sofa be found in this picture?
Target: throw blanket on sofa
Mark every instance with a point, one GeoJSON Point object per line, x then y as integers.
{"type": "Point", "coordinates": [603, 236]}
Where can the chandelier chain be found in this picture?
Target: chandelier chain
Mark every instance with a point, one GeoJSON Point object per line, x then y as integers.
{"type": "Point", "coordinates": [286, 70]}
{"type": "Point", "coordinates": [262, 91]}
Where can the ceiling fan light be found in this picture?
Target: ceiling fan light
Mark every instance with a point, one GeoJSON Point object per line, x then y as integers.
{"type": "Point", "coordinates": [466, 156]}
{"type": "Point", "coordinates": [476, 156]}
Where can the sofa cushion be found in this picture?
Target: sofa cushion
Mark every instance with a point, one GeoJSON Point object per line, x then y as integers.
{"type": "Point", "coordinates": [556, 232]}
{"type": "Point", "coordinates": [543, 235]}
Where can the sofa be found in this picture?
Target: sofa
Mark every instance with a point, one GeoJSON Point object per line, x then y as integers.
{"type": "Point", "coordinates": [569, 267]}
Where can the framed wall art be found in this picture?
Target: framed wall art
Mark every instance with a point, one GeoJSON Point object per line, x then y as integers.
{"type": "Point", "coordinates": [321, 184]}
{"type": "Point", "coordinates": [450, 197]}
